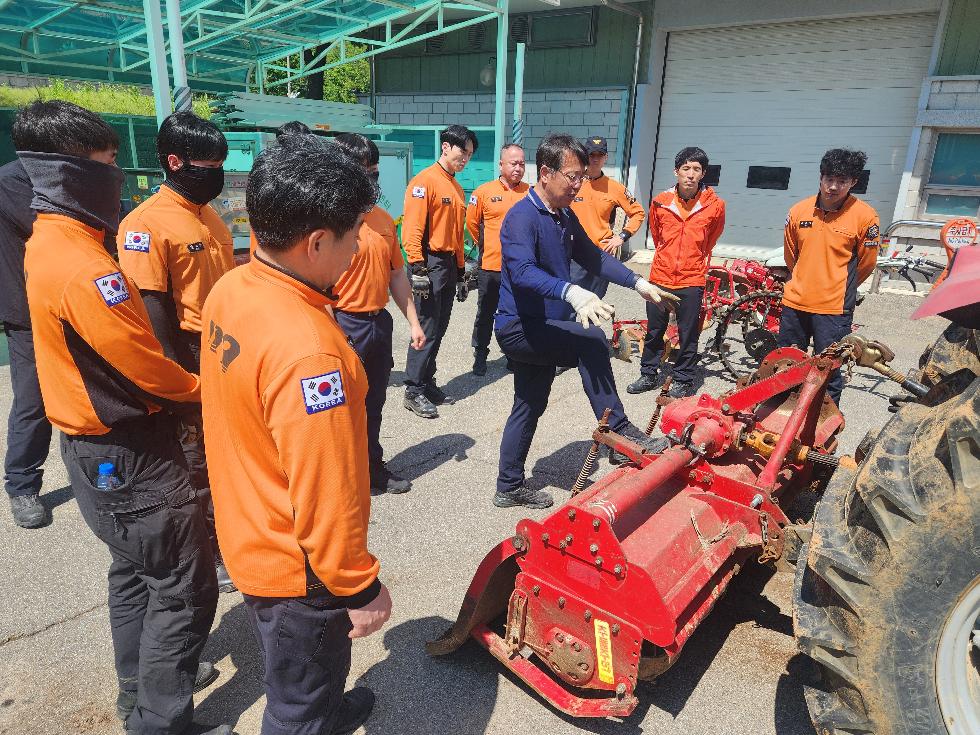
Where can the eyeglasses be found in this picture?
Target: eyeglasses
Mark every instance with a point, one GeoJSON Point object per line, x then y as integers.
{"type": "Point", "coordinates": [573, 179]}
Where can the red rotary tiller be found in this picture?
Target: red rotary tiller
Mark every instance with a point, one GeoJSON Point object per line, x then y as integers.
{"type": "Point", "coordinates": [606, 590]}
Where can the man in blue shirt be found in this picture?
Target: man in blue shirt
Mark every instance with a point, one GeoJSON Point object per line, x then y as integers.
{"type": "Point", "coordinates": [536, 323]}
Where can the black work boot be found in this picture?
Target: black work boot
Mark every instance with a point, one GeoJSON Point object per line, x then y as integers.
{"type": "Point", "coordinates": [126, 700]}
{"type": "Point", "coordinates": [651, 444]}
{"type": "Point", "coordinates": [437, 395]}
{"type": "Point", "coordinates": [421, 406]}
{"type": "Point", "coordinates": [224, 579]}
{"type": "Point", "coordinates": [354, 710]}
{"type": "Point", "coordinates": [524, 495]}
{"type": "Point", "coordinates": [644, 383]}
{"type": "Point", "coordinates": [28, 511]}
{"type": "Point", "coordinates": [480, 362]}
{"type": "Point", "coordinates": [680, 389]}
{"type": "Point", "coordinates": [384, 480]}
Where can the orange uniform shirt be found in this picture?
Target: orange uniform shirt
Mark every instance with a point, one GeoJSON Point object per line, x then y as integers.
{"type": "Point", "coordinates": [434, 216]}
{"type": "Point", "coordinates": [684, 234]}
{"type": "Point", "coordinates": [98, 361]}
{"type": "Point", "coordinates": [171, 244]}
{"type": "Point", "coordinates": [830, 254]}
{"type": "Point", "coordinates": [595, 207]}
{"type": "Point", "coordinates": [489, 204]}
{"type": "Point", "coordinates": [364, 286]}
{"type": "Point", "coordinates": [283, 402]}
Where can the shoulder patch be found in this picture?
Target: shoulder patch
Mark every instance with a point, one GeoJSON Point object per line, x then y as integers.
{"type": "Point", "coordinates": [138, 241]}
{"type": "Point", "coordinates": [113, 288]}
{"type": "Point", "coordinates": [418, 192]}
{"type": "Point", "coordinates": [472, 198]}
{"type": "Point", "coordinates": [873, 233]}
{"type": "Point", "coordinates": [323, 392]}
{"type": "Point", "coordinates": [629, 196]}
{"type": "Point", "coordinates": [786, 223]}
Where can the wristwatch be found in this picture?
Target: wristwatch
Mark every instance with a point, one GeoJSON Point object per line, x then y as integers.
{"type": "Point", "coordinates": [624, 235]}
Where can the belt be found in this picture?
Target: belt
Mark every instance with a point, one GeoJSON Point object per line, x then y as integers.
{"type": "Point", "coordinates": [360, 314]}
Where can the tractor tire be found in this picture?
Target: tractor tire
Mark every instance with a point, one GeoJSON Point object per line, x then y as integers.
{"type": "Point", "coordinates": [888, 599]}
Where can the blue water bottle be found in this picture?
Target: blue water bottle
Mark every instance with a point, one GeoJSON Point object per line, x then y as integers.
{"type": "Point", "coordinates": [107, 480]}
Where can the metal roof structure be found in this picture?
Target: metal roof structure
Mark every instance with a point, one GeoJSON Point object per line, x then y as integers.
{"type": "Point", "coordinates": [224, 44]}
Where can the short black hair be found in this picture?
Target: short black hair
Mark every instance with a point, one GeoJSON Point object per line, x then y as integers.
{"type": "Point", "coordinates": [361, 149]}
{"type": "Point", "coordinates": [190, 138]}
{"type": "Point", "coordinates": [458, 135]}
{"type": "Point", "coordinates": [552, 148]}
{"type": "Point", "coordinates": [843, 163]}
{"type": "Point", "coordinates": [293, 127]}
{"type": "Point", "coordinates": [63, 128]}
{"type": "Point", "coordinates": [295, 189]}
{"type": "Point", "coordinates": [691, 154]}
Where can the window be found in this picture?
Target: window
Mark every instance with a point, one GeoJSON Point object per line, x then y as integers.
{"type": "Point", "coordinates": [953, 188]}
{"type": "Point", "coordinates": [768, 177]}
{"type": "Point", "coordinates": [712, 176]}
{"type": "Point", "coordinates": [562, 28]}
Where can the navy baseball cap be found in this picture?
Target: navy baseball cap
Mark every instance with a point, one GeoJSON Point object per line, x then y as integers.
{"type": "Point", "coordinates": [595, 144]}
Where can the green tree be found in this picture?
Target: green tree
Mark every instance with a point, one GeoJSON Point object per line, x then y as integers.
{"type": "Point", "coordinates": [339, 84]}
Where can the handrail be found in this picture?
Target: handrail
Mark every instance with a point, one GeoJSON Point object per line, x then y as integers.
{"type": "Point", "coordinates": [876, 278]}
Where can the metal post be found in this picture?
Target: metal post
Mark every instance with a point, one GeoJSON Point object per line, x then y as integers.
{"type": "Point", "coordinates": [500, 108]}
{"type": "Point", "coordinates": [518, 134]}
{"type": "Point", "coordinates": [182, 92]}
{"type": "Point", "coordinates": [158, 58]}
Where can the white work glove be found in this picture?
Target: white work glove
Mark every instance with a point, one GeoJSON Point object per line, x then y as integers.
{"type": "Point", "coordinates": [656, 295]}
{"type": "Point", "coordinates": [588, 307]}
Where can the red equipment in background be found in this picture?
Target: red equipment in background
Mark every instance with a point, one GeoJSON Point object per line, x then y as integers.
{"type": "Point", "coordinates": [742, 293]}
{"type": "Point", "coordinates": [606, 590]}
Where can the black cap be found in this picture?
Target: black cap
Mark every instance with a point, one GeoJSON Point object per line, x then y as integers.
{"type": "Point", "coordinates": [595, 144]}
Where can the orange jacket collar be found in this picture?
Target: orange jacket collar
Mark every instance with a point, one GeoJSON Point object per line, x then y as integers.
{"type": "Point", "coordinates": [276, 274]}
{"type": "Point", "coordinates": [184, 202]}
{"type": "Point", "coordinates": [665, 200]}
{"type": "Point", "coordinates": [92, 232]}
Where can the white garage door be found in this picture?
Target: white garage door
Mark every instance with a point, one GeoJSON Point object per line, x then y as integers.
{"type": "Point", "coordinates": [780, 95]}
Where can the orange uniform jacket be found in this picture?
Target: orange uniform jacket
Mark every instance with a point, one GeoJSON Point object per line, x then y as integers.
{"type": "Point", "coordinates": [830, 254]}
{"type": "Point", "coordinates": [684, 238]}
{"type": "Point", "coordinates": [364, 286]}
{"type": "Point", "coordinates": [434, 216]}
{"type": "Point", "coordinates": [98, 362]}
{"type": "Point", "coordinates": [283, 402]}
{"type": "Point", "coordinates": [485, 214]}
{"type": "Point", "coordinates": [595, 207]}
{"type": "Point", "coordinates": [172, 245]}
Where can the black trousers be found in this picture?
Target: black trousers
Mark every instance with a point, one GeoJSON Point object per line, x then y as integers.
{"type": "Point", "coordinates": [800, 327]}
{"type": "Point", "coordinates": [28, 429]}
{"type": "Point", "coordinates": [688, 332]}
{"type": "Point", "coordinates": [535, 349]}
{"type": "Point", "coordinates": [162, 587]}
{"type": "Point", "coordinates": [371, 334]}
{"type": "Point", "coordinates": [434, 313]}
{"type": "Point", "coordinates": [307, 657]}
{"type": "Point", "coordinates": [488, 283]}
{"type": "Point", "coordinates": [581, 277]}
{"type": "Point", "coordinates": [189, 357]}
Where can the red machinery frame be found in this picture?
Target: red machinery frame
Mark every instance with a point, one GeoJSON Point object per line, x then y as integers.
{"type": "Point", "coordinates": [607, 590]}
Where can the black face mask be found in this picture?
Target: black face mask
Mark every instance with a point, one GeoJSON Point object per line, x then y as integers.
{"type": "Point", "coordinates": [199, 184]}
{"type": "Point", "coordinates": [80, 188]}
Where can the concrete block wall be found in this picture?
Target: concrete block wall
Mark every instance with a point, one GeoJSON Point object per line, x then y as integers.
{"type": "Point", "coordinates": [580, 113]}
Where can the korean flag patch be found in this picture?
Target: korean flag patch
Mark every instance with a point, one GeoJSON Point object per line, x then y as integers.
{"type": "Point", "coordinates": [138, 241]}
{"type": "Point", "coordinates": [323, 392]}
{"type": "Point", "coordinates": [113, 288]}
{"type": "Point", "coordinates": [472, 198]}
{"type": "Point", "coordinates": [418, 192]}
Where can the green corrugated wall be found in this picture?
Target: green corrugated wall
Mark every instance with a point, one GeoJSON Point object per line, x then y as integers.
{"type": "Point", "coordinates": [960, 54]}
{"type": "Point", "coordinates": [608, 63]}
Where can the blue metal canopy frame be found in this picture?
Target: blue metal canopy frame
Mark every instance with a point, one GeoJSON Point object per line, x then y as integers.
{"type": "Point", "coordinates": [226, 44]}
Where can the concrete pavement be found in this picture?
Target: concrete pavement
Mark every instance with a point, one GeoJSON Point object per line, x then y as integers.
{"type": "Point", "coordinates": [738, 675]}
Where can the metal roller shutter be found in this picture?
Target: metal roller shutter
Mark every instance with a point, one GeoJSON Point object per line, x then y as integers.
{"type": "Point", "coordinates": [781, 95]}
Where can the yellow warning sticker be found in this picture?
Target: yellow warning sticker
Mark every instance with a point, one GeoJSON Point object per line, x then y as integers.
{"type": "Point", "coordinates": [603, 650]}
{"type": "Point", "coordinates": [143, 182]}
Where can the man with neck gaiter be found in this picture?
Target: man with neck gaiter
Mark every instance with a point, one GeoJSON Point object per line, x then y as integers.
{"type": "Point", "coordinates": [109, 388]}
{"type": "Point", "coordinates": [175, 247]}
